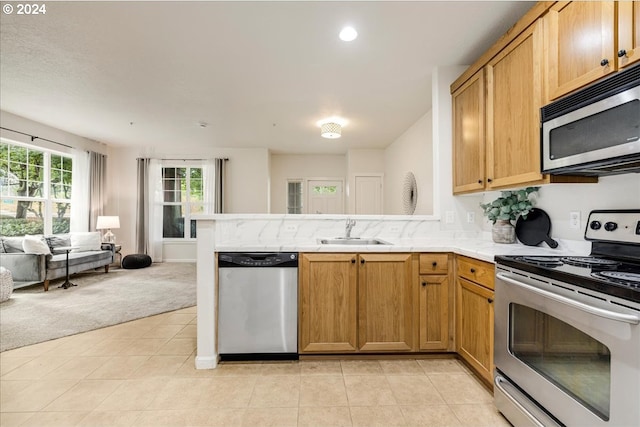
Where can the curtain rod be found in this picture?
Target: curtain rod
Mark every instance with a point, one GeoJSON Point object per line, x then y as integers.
{"type": "Point", "coordinates": [226, 159]}
{"type": "Point", "coordinates": [33, 138]}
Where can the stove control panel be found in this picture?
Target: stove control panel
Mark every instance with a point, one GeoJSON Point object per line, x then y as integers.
{"type": "Point", "coordinates": [622, 226]}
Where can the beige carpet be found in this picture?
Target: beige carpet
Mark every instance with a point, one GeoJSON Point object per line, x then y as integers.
{"type": "Point", "coordinates": [31, 315]}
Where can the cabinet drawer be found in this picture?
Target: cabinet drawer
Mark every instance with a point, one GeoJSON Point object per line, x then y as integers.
{"type": "Point", "coordinates": [435, 263]}
{"type": "Point", "coordinates": [477, 271]}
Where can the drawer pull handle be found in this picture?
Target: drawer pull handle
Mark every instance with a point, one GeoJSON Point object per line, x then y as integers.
{"type": "Point", "coordinates": [473, 270]}
{"type": "Point", "coordinates": [489, 300]}
{"type": "Point", "coordinates": [434, 264]}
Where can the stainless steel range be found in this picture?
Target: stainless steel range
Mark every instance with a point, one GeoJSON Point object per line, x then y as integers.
{"type": "Point", "coordinates": [567, 331]}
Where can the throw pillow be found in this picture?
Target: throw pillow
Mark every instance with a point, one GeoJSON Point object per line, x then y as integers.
{"type": "Point", "coordinates": [12, 245]}
{"type": "Point", "coordinates": [88, 241]}
{"type": "Point", "coordinates": [35, 245]}
{"type": "Point", "coordinates": [57, 241]}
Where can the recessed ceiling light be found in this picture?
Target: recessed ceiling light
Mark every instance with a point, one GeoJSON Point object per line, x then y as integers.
{"type": "Point", "coordinates": [348, 34]}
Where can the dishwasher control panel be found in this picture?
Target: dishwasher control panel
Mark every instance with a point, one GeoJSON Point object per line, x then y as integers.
{"type": "Point", "coordinates": [257, 259]}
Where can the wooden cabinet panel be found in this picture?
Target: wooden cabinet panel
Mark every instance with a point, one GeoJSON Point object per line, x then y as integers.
{"type": "Point", "coordinates": [434, 263]}
{"type": "Point", "coordinates": [328, 301]}
{"type": "Point", "coordinates": [580, 44]}
{"type": "Point", "coordinates": [477, 271]}
{"type": "Point", "coordinates": [514, 98]}
{"type": "Point", "coordinates": [474, 326]}
{"type": "Point", "coordinates": [628, 33]}
{"type": "Point", "coordinates": [385, 302]}
{"type": "Point", "coordinates": [469, 135]}
{"type": "Point", "coordinates": [434, 312]}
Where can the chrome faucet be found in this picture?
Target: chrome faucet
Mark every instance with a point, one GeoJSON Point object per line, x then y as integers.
{"type": "Point", "coordinates": [348, 227]}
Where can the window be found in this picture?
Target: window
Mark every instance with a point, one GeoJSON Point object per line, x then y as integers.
{"type": "Point", "coordinates": [183, 196]}
{"type": "Point", "coordinates": [294, 197]}
{"type": "Point", "coordinates": [35, 186]}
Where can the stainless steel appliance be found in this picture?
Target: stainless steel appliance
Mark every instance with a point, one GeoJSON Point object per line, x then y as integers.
{"type": "Point", "coordinates": [567, 331]}
{"type": "Point", "coordinates": [258, 305]}
{"type": "Point", "coordinates": [596, 130]}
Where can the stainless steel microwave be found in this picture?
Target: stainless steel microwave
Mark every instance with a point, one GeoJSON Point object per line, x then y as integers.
{"type": "Point", "coordinates": [594, 131]}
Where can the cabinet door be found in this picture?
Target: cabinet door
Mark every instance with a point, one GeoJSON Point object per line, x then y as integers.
{"type": "Point", "coordinates": [514, 98]}
{"type": "Point", "coordinates": [385, 309]}
{"type": "Point", "coordinates": [580, 44]}
{"type": "Point", "coordinates": [474, 326]}
{"type": "Point", "coordinates": [434, 312]}
{"type": "Point", "coordinates": [468, 135]}
{"type": "Point", "coordinates": [328, 301]}
{"type": "Point", "coordinates": [628, 32]}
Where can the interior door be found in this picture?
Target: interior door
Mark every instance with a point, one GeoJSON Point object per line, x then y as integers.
{"type": "Point", "coordinates": [325, 196]}
{"type": "Point", "coordinates": [368, 194]}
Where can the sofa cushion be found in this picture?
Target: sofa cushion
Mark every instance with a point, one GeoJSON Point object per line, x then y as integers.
{"type": "Point", "coordinates": [58, 241]}
{"type": "Point", "coordinates": [59, 260]}
{"type": "Point", "coordinates": [12, 245]}
{"type": "Point", "coordinates": [88, 241]}
{"type": "Point", "coordinates": [35, 245]}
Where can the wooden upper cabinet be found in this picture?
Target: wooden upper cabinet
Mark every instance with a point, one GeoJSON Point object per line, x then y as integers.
{"type": "Point", "coordinates": [580, 43]}
{"type": "Point", "coordinates": [628, 33]}
{"type": "Point", "coordinates": [514, 98]}
{"type": "Point", "coordinates": [469, 135]}
{"type": "Point", "coordinates": [385, 302]}
{"type": "Point", "coordinates": [328, 303]}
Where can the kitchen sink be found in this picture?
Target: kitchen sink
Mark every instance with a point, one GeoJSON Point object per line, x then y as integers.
{"type": "Point", "coordinates": [352, 241]}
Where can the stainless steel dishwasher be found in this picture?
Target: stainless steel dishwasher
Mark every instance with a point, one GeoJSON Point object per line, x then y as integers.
{"type": "Point", "coordinates": [258, 305]}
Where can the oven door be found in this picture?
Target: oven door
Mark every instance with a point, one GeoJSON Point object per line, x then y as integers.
{"type": "Point", "coordinates": [575, 355]}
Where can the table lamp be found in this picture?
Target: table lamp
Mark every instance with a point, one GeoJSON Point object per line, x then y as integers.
{"type": "Point", "coordinates": [107, 223]}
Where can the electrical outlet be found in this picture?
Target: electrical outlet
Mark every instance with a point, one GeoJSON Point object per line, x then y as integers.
{"type": "Point", "coordinates": [471, 217]}
{"type": "Point", "coordinates": [450, 217]}
{"type": "Point", "coordinates": [291, 227]}
{"type": "Point", "coordinates": [574, 220]}
{"type": "Point", "coordinates": [394, 229]}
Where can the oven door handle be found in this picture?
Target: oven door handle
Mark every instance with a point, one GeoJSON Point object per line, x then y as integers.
{"type": "Point", "coordinates": [607, 314]}
{"type": "Point", "coordinates": [498, 381]}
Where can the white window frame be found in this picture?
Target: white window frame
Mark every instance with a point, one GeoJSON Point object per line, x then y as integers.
{"type": "Point", "coordinates": [188, 165]}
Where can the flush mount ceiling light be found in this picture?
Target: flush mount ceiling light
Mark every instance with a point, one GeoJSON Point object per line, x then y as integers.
{"type": "Point", "coordinates": [330, 130]}
{"type": "Point", "coordinates": [348, 34]}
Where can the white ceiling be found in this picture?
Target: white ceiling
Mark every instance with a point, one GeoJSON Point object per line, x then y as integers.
{"type": "Point", "coordinates": [260, 74]}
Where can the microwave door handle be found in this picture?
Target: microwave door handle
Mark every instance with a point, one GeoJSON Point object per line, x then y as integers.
{"type": "Point", "coordinates": [607, 314]}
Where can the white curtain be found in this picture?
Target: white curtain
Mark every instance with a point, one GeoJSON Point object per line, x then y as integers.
{"type": "Point", "coordinates": [155, 210]}
{"type": "Point", "coordinates": [80, 191]}
{"type": "Point", "coordinates": [97, 187]}
{"type": "Point", "coordinates": [208, 182]}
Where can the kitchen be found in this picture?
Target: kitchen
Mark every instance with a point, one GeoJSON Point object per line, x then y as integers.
{"type": "Point", "coordinates": [438, 211]}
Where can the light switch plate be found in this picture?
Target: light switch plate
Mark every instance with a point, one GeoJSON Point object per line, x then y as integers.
{"type": "Point", "coordinates": [471, 217]}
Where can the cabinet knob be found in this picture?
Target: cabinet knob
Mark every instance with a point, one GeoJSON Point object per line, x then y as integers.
{"type": "Point", "coordinates": [489, 300]}
{"type": "Point", "coordinates": [353, 260]}
{"type": "Point", "coordinates": [489, 180]}
{"type": "Point", "coordinates": [361, 261]}
{"type": "Point", "coordinates": [479, 181]}
{"type": "Point", "coordinates": [434, 264]}
{"type": "Point", "coordinates": [424, 283]}
{"type": "Point", "coordinates": [473, 270]}
{"type": "Point", "coordinates": [621, 53]}
{"type": "Point", "coordinates": [604, 62]}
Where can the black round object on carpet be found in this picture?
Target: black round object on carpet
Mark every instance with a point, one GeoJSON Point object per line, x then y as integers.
{"type": "Point", "coordinates": [136, 261]}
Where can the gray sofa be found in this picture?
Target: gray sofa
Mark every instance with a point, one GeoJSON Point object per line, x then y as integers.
{"type": "Point", "coordinates": [28, 269]}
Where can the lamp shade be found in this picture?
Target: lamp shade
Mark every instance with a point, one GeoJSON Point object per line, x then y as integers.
{"type": "Point", "coordinates": [107, 222]}
{"type": "Point", "coordinates": [330, 130]}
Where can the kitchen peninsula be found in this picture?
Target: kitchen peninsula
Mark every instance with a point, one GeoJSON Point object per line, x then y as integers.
{"type": "Point", "coordinates": [301, 233]}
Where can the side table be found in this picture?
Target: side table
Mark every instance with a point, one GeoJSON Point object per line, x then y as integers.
{"type": "Point", "coordinates": [67, 284]}
{"type": "Point", "coordinates": [117, 258]}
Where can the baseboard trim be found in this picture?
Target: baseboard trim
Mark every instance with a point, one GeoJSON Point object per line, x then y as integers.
{"type": "Point", "coordinates": [206, 362]}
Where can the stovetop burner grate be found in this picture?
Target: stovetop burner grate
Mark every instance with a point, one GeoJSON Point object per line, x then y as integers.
{"type": "Point", "coordinates": [589, 261]}
{"type": "Point", "coordinates": [627, 279]}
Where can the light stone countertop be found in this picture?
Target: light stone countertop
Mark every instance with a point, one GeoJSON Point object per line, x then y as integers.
{"type": "Point", "coordinates": [479, 248]}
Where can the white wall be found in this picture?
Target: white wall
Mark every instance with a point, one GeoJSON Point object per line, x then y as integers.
{"type": "Point", "coordinates": [411, 152]}
{"type": "Point", "coordinates": [247, 187]}
{"type": "Point", "coordinates": [291, 166]}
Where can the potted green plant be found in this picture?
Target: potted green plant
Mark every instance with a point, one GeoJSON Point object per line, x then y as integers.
{"type": "Point", "coordinates": [506, 209]}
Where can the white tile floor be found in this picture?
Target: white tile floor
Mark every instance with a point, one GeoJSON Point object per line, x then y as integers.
{"type": "Point", "coordinates": [141, 373]}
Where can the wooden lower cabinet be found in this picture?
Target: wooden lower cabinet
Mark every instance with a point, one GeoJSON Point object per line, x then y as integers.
{"type": "Point", "coordinates": [328, 303]}
{"type": "Point", "coordinates": [385, 302]}
{"type": "Point", "coordinates": [434, 312]}
{"type": "Point", "coordinates": [474, 326]}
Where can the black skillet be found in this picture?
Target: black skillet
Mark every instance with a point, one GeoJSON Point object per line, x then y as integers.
{"type": "Point", "coordinates": [535, 229]}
